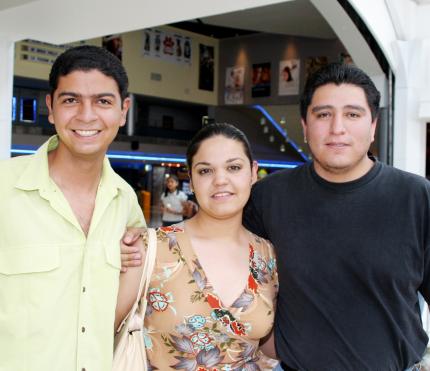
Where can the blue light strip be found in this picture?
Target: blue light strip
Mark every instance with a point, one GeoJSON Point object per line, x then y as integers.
{"type": "Point", "coordinates": [139, 156]}
{"type": "Point", "coordinates": [280, 130]}
{"type": "Point", "coordinates": [278, 165]}
{"type": "Point", "coordinates": [145, 157]}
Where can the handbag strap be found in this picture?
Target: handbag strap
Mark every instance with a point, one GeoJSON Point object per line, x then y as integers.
{"type": "Point", "coordinates": [148, 267]}
{"type": "Point", "coordinates": [151, 253]}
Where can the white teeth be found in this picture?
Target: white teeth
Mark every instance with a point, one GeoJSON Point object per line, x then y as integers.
{"type": "Point", "coordinates": [221, 194]}
{"type": "Point", "coordinates": [86, 133]}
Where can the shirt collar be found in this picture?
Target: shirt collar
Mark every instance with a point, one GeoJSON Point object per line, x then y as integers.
{"type": "Point", "coordinates": [36, 175]}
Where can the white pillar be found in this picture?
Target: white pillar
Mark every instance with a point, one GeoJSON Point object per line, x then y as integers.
{"type": "Point", "coordinates": [6, 93]}
{"type": "Point", "coordinates": [410, 90]}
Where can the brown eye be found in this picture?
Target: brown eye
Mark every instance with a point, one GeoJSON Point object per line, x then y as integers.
{"type": "Point", "coordinates": [353, 115]}
{"type": "Point", "coordinates": [323, 115]}
{"type": "Point", "coordinates": [234, 168]}
{"type": "Point", "coordinates": [70, 100]}
{"type": "Point", "coordinates": [104, 102]}
{"type": "Point", "coordinates": [204, 171]}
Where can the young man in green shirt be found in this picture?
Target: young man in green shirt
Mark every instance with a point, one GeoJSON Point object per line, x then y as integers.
{"type": "Point", "coordinates": [63, 213]}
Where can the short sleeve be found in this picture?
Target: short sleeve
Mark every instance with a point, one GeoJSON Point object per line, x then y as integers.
{"type": "Point", "coordinates": [135, 216]}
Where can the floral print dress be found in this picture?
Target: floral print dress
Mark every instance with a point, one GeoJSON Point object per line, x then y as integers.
{"type": "Point", "coordinates": [188, 328]}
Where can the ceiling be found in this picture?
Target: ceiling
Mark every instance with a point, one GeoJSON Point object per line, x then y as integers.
{"type": "Point", "coordinates": [6, 4]}
{"type": "Point", "coordinates": [288, 17]}
{"type": "Point", "coordinates": [297, 18]}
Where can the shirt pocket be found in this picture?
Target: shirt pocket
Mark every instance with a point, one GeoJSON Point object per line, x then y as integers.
{"type": "Point", "coordinates": [30, 287]}
{"type": "Point", "coordinates": [29, 260]}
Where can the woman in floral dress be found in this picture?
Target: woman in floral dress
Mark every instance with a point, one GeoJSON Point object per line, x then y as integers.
{"type": "Point", "coordinates": [212, 295]}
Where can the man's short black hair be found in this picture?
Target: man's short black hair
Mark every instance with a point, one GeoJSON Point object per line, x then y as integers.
{"type": "Point", "coordinates": [86, 58]}
{"type": "Point", "coordinates": [337, 73]}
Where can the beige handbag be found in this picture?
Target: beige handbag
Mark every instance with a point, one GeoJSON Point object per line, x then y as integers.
{"type": "Point", "coordinates": [129, 350]}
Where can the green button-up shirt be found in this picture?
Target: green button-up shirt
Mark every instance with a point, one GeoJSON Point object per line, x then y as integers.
{"type": "Point", "coordinates": [58, 288]}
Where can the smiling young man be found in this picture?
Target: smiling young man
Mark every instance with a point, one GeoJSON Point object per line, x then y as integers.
{"type": "Point", "coordinates": [352, 239]}
{"type": "Point", "coordinates": [63, 214]}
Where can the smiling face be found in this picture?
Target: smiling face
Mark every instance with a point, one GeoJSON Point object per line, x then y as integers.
{"type": "Point", "coordinates": [222, 177]}
{"type": "Point", "coordinates": [87, 112]}
{"type": "Point", "coordinates": [339, 130]}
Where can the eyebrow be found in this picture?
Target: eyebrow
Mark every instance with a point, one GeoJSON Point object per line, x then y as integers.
{"type": "Point", "coordinates": [356, 107]}
{"type": "Point", "coordinates": [73, 94]}
{"type": "Point", "coordinates": [204, 163]}
{"type": "Point", "coordinates": [348, 106]}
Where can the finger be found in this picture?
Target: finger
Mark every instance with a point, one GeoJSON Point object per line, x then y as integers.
{"type": "Point", "coordinates": [131, 257]}
{"type": "Point", "coordinates": [131, 235]}
{"type": "Point", "coordinates": [123, 269]}
{"type": "Point", "coordinates": [131, 263]}
{"type": "Point", "coordinates": [128, 250]}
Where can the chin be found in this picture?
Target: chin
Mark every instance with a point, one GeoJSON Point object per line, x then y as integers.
{"type": "Point", "coordinates": [225, 214]}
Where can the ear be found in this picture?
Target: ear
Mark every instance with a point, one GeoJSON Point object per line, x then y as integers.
{"type": "Point", "coordinates": [254, 170]}
{"type": "Point", "coordinates": [373, 130]}
{"type": "Point", "coordinates": [304, 128]}
{"type": "Point", "coordinates": [125, 106]}
{"type": "Point", "coordinates": [49, 100]}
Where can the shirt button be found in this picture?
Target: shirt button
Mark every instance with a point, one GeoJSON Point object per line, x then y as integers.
{"type": "Point", "coordinates": [83, 289]}
{"type": "Point", "coordinates": [84, 369]}
{"type": "Point", "coordinates": [83, 329]}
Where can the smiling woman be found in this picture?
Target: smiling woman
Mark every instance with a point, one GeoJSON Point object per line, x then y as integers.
{"type": "Point", "coordinates": [213, 291]}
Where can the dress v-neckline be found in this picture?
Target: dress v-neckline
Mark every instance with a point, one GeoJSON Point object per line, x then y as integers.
{"type": "Point", "coordinates": [209, 290]}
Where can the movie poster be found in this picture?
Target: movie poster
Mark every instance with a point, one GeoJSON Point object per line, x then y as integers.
{"type": "Point", "coordinates": [167, 46]}
{"type": "Point", "coordinates": [113, 43]}
{"type": "Point", "coordinates": [346, 58]}
{"type": "Point", "coordinates": [206, 67]}
{"type": "Point", "coordinates": [289, 74]}
{"type": "Point", "coordinates": [260, 80]}
{"type": "Point", "coordinates": [234, 85]}
{"type": "Point", "coordinates": [312, 64]}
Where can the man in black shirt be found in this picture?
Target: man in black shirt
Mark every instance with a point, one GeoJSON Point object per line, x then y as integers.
{"type": "Point", "coordinates": [352, 238]}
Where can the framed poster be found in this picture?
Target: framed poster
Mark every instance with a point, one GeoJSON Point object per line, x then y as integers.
{"type": "Point", "coordinates": [113, 43]}
{"type": "Point", "coordinates": [289, 73]}
{"type": "Point", "coordinates": [346, 58]}
{"type": "Point", "coordinates": [313, 64]}
{"type": "Point", "coordinates": [206, 67]}
{"type": "Point", "coordinates": [234, 85]}
{"type": "Point", "coordinates": [260, 80]}
{"type": "Point", "coordinates": [167, 46]}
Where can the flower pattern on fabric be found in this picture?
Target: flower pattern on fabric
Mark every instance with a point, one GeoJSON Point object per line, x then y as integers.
{"type": "Point", "coordinates": [224, 316]}
{"type": "Point", "coordinates": [200, 333]}
{"type": "Point", "coordinates": [159, 301]}
{"type": "Point", "coordinates": [258, 269]}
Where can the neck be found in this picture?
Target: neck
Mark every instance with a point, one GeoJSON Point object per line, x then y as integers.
{"type": "Point", "coordinates": [206, 227]}
{"type": "Point", "coordinates": [74, 173]}
{"type": "Point", "coordinates": [341, 175]}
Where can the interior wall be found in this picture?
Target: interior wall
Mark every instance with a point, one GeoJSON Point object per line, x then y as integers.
{"type": "Point", "coordinates": [260, 48]}
{"type": "Point", "coordinates": [37, 70]}
{"type": "Point", "coordinates": [178, 81]}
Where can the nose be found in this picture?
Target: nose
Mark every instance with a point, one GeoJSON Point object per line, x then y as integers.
{"type": "Point", "coordinates": [337, 126]}
{"type": "Point", "coordinates": [86, 112]}
{"type": "Point", "coordinates": [220, 177]}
